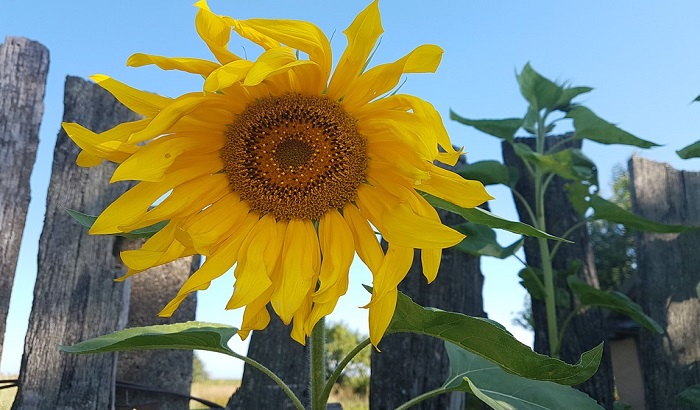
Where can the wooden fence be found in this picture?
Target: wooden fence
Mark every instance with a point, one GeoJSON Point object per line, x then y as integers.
{"type": "Point", "coordinates": [76, 298]}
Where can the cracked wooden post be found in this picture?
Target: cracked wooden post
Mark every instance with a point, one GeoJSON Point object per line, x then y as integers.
{"type": "Point", "coordinates": [24, 65]}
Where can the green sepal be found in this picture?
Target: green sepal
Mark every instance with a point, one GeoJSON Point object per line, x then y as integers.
{"type": "Point", "coordinates": [482, 337]}
{"type": "Point", "coordinates": [142, 233]}
{"type": "Point", "coordinates": [618, 302]}
{"type": "Point", "coordinates": [490, 173]}
{"type": "Point", "coordinates": [590, 126]}
{"type": "Point", "coordinates": [193, 335]}
{"type": "Point", "coordinates": [480, 216]}
{"type": "Point", "coordinates": [504, 391]}
{"type": "Point", "coordinates": [691, 151]}
{"type": "Point", "coordinates": [501, 128]}
{"type": "Point", "coordinates": [481, 240]}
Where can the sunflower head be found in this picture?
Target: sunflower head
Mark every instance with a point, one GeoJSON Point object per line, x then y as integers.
{"type": "Point", "coordinates": [282, 168]}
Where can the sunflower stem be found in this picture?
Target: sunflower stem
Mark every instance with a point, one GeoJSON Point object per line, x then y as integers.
{"type": "Point", "coordinates": [318, 365]}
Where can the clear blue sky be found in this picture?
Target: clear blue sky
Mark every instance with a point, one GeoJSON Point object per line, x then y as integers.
{"type": "Point", "coordinates": [641, 58]}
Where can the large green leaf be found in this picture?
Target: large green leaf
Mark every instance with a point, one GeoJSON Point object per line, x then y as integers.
{"type": "Point", "coordinates": [604, 209]}
{"type": "Point", "coordinates": [569, 94]}
{"type": "Point", "coordinates": [490, 173]}
{"type": "Point", "coordinates": [570, 163]}
{"type": "Point", "coordinates": [690, 396]}
{"type": "Point", "coordinates": [590, 126]}
{"type": "Point", "coordinates": [481, 240]}
{"type": "Point", "coordinates": [141, 233]}
{"type": "Point", "coordinates": [691, 151]}
{"type": "Point", "coordinates": [539, 91]}
{"type": "Point", "coordinates": [485, 339]}
{"type": "Point", "coordinates": [615, 301]}
{"type": "Point", "coordinates": [480, 216]}
{"type": "Point", "coordinates": [188, 336]}
{"type": "Point", "coordinates": [505, 391]}
{"type": "Point", "coordinates": [501, 128]}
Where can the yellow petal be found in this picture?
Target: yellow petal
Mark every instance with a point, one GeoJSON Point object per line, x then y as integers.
{"type": "Point", "coordinates": [396, 264]}
{"type": "Point", "coordinates": [188, 65]}
{"type": "Point", "coordinates": [383, 78]}
{"type": "Point", "coordinates": [362, 35]}
{"type": "Point", "coordinates": [337, 248]}
{"type": "Point", "coordinates": [366, 243]}
{"type": "Point", "coordinates": [152, 161]}
{"type": "Point", "coordinates": [400, 225]}
{"type": "Point", "coordinates": [215, 31]}
{"type": "Point", "coordinates": [380, 315]}
{"type": "Point", "coordinates": [323, 308]}
{"type": "Point", "coordinates": [300, 35]}
{"type": "Point", "coordinates": [272, 62]}
{"type": "Point", "coordinates": [186, 199]}
{"type": "Point", "coordinates": [87, 160]}
{"type": "Point", "coordinates": [300, 260]}
{"type": "Point", "coordinates": [256, 261]}
{"type": "Point", "coordinates": [299, 327]}
{"type": "Point", "coordinates": [254, 35]}
{"type": "Point", "coordinates": [101, 146]}
{"type": "Point", "coordinates": [142, 102]}
{"type": "Point", "coordinates": [210, 225]}
{"type": "Point", "coordinates": [255, 315]}
{"type": "Point", "coordinates": [453, 188]}
{"type": "Point", "coordinates": [430, 260]}
{"type": "Point", "coordinates": [227, 75]}
{"type": "Point", "coordinates": [396, 156]}
{"type": "Point", "coordinates": [214, 266]}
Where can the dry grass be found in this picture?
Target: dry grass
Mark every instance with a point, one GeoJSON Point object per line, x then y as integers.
{"type": "Point", "coordinates": [7, 396]}
{"type": "Point", "coordinates": [217, 391]}
{"type": "Point", "coordinates": [349, 399]}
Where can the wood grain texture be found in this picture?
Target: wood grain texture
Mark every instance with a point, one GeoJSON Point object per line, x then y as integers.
{"type": "Point", "coordinates": [24, 65]}
{"type": "Point", "coordinates": [586, 330]}
{"type": "Point", "coordinates": [667, 265]}
{"type": "Point", "coordinates": [75, 296]}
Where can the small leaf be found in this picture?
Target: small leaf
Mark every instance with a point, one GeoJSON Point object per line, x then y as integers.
{"type": "Point", "coordinates": [590, 126]}
{"type": "Point", "coordinates": [696, 98]}
{"type": "Point", "coordinates": [615, 301]}
{"type": "Point", "coordinates": [505, 391]}
{"type": "Point", "coordinates": [569, 94]}
{"type": "Point", "coordinates": [604, 209]}
{"type": "Point", "coordinates": [690, 396]}
{"type": "Point", "coordinates": [501, 128]}
{"type": "Point", "coordinates": [530, 120]}
{"type": "Point", "coordinates": [490, 173]}
{"type": "Point", "coordinates": [691, 151]}
{"type": "Point", "coordinates": [570, 163]}
{"type": "Point", "coordinates": [142, 233]}
{"type": "Point", "coordinates": [539, 91]}
{"type": "Point", "coordinates": [480, 216]}
{"type": "Point", "coordinates": [531, 280]}
{"type": "Point", "coordinates": [491, 342]}
{"type": "Point", "coordinates": [481, 240]}
{"type": "Point", "coordinates": [187, 336]}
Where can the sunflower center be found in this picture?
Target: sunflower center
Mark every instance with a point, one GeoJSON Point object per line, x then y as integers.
{"type": "Point", "coordinates": [294, 156]}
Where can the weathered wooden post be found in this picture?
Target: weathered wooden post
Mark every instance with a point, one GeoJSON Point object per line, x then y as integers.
{"type": "Point", "coordinates": [667, 265]}
{"type": "Point", "coordinates": [24, 65]}
{"type": "Point", "coordinates": [168, 370]}
{"type": "Point", "coordinates": [75, 296]}
{"type": "Point", "coordinates": [586, 330]}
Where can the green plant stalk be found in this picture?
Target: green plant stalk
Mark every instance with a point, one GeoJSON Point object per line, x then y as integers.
{"type": "Point", "coordinates": [425, 396]}
{"type": "Point", "coordinates": [545, 256]}
{"type": "Point", "coordinates": [318, 365]}
{"type": "Point", "coordinates": [270, 374]}
{"type": "Point", "coordinates": [339, 369]}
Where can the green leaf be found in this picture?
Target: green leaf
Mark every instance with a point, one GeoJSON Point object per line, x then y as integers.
{"type": "Point", "coordinates": [142, 233]}
{"type": "Point", "coordinates": [604, 209]}
{"type": "Point", "coordinates": [615, 301]}
{"type": "Point", "coordinates": [531, 280]}
{"type": "Point", "coordinates": [505, 391]}
{"type": "Point", "coordinates": [540, 92]}
{"type": "Point", "coordinates": [691, 151]}
{"type": "Point", "coordinates": [481, 240]}
{"type": "Point", "coordinates": [690, 396]}
{"type": "Point", "coordinates": [696, 99]}
{"type": "Point", "coordinates": [569, 94]}
{"type": "Point", "coordinates": [491, 342]}
{"type": "Point", "coordinates": [590, 126]}
{"type": "Point", "coordinates": [480, 216]}
{"type": "Point", "coordinates": [501, 128]}
{"type": "Point", "coordinates": [490, 173]}
{"type": "Point", "coordinates": [570, 163]}
{"type": "Point", "coordinates": [188, 336]}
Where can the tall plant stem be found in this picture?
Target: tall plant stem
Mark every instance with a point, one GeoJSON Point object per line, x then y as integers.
{"type": "Point", "coordinates": [545, 255]}
{"type": "Point", "coordinates": [318, 365]}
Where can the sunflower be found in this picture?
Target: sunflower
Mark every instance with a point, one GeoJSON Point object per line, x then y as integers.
{"type": "Point", "coordinates": [284, 170]}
